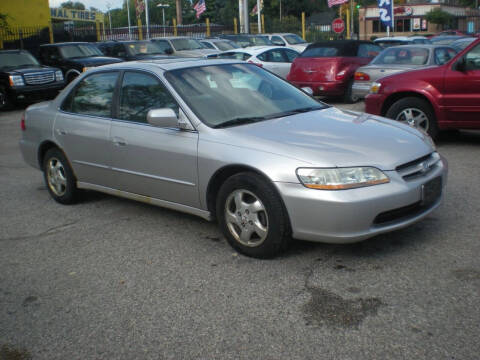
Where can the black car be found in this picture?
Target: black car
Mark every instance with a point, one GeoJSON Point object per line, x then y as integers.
{"type": "Point", "coordinates": [73, 58]}
{"type": "Point", "coordinates": [132, 50]}
{"type": "Point", "coordinates": [23, 79]}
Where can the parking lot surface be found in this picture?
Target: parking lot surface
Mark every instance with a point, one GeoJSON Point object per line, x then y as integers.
{"type": "Point", "coordinates": [110, 278]}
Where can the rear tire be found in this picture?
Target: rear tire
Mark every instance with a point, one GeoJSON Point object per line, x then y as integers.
{"type": "Point", "coordinates": [5, 100]}
{"type": "Point", "coordinates": [415, 112]}
{"type": "Point", "coordinates": [59, 178]}
{"type": "Point", "coordinates": [252, 216]}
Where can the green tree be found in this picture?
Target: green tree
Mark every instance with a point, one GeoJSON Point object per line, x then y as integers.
{"type": "Point", "coordinates": [439, 17]}
{"type": "Point", "coordinates": [76, 5]}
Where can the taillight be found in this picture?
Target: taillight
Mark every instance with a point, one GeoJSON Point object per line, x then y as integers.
{"type": "Point", "coordinates": [22, 123]}
{"type": "Point", "coordinates": [360, 76]}
{"type": "Point", "coordinates": [341, 75]}
{"type": "Point", "coordinates": [254, 63]}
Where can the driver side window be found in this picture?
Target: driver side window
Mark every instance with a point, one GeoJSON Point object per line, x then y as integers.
{"type": "Point", "coordinates": [473, 58]}
{"type": "Point", "coordinates": [140, 93]}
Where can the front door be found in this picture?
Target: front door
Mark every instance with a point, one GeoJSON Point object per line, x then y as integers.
{"type": "Point", "coordinates": [82, 127]}
{"type": "Point", "coordinates": [462, 91]}
{"type": "Point", "coordinates": [157, 162]}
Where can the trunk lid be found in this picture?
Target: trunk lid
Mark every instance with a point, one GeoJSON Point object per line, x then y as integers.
{"type": "Point", "coordinates": [305, 69]}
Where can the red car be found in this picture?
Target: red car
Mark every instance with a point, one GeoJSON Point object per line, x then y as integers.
{"type": "Point", "coordinates": [436, 98]}
{"type": "Point", "coordinates": [328, 67]}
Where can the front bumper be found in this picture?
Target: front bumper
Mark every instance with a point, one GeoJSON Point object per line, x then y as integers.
{"type": "Point", "coordinates": [30, 93]}
{"type": "Point", "coordinates": [374, 103]}
{"type": "Point", "coordinates": [325, 88]}
{"type": "Point", "coordinates": [349, 216]}
{"type": "Point", "coordinates": [361, 89]}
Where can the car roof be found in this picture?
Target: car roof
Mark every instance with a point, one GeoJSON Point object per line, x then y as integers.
{"type": "Point", "coordinates": [13, 51]}
{"type": "Point", "coordinates": [67, 43]}
{"type": "Point", "coordinates": [167, 64]}
{"type": "Point", "coordinates": [420, 46]}
{"type": "Point", "coordinates": [172, 38]}
{"type": "Point", "coordinates": [393, 38]}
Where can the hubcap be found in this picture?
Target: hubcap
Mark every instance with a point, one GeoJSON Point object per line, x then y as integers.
{"type": "Point", "coordinates": [246, 218]}
{"type": "Point", "coordinates": [413, 117]}
{"type": "Point", "coordinates": [56, 178]}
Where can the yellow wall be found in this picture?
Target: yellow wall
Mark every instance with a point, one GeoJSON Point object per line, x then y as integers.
{"type": "Point", "coordinates": [26, 13]}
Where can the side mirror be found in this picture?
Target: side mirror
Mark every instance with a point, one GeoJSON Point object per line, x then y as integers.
{"type": "Point", "coordinates": [169, 51]}
{"type": "Point", "coordinates": [165, 118]}
{"type": "Point", "coordinates": [460, 65]}
{"type": "Point", "coordinates": [278, 43]}
{"type": "Point", "coordinates": [308, 90]}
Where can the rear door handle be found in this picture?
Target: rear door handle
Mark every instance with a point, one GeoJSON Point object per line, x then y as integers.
{"type": "Point", "coordinates": [119, 141]}
{"type": "Point", "coordinates": [61, 132]}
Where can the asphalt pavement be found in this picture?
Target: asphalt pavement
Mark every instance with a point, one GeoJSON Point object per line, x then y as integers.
{"type": "Point", "coordinates": [110, 278]}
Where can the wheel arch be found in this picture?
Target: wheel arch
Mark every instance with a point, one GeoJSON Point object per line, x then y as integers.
{"type": "Point", "coordinates": [222, 174]}
{"type": "Point", "coordinates": [393, 98]}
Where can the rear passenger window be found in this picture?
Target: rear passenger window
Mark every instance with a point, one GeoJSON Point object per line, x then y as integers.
{"type": "Point", "coordinates": [140, 93]}
{"type": "Point", "coordinates": [93, 95]}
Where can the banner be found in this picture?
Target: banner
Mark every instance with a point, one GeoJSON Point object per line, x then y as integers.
{"type": "Point", "coordinates": [386, 12]}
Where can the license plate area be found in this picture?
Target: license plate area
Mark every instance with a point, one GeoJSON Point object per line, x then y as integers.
{"type": "Point", "coordinates": [431, 191]}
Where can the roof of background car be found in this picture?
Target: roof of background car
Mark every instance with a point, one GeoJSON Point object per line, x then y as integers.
{"type": "Point", "coordinates": [13, 51]}
{"type": "Point", "coordinates": [67, 43]}
{"type": "Point", "coordinates": [420, 46]}
{"type": "Point", "coordinates": [167, 64]}
{"type": "Point", "coordinates": [170, 38]}
{"type": "Point", "coordinates": [280, 34]}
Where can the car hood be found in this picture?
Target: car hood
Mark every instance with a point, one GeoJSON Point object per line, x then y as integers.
{"type": "Point", "coordinates": [95, 60]}
{"type": "Point", "coordinates": [30, 69]}
{"type": "Point", "coordinates": [196, 53]}
{"type": "Point", "coordinates": [333, 138]}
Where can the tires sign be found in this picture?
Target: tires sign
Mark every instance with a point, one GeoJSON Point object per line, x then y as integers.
{"type": "Point", "coordinates": [338, 25]}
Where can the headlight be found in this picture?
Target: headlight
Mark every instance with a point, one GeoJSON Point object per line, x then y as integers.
{"type": "Point", "coordinates": [375, 88]}
{"type": "Point", "coordinates": [58, 75]}
{"type": "Point", "coordinates": [86, 68]}
{"type": "Point", "coordinates": [16, 80]}
{"type": "Point", "coordinates": [341, 178]}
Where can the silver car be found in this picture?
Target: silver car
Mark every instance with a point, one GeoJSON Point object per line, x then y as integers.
{"type": "Point", "coordinates": [183, 46]}
{"type": "Point", "coordinates": [230, 141]}
{"type": "Point", "coordinates": [397, 59]}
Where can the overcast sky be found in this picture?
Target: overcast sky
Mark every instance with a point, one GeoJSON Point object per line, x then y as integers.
{"type": "Point", "coordinates": [99, 4]}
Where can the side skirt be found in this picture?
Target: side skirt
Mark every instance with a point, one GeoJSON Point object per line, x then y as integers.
{"type": "Point", "coordinates": [146, 199]}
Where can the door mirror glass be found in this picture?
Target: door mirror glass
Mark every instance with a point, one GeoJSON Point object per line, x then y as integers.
{"type": "Point", "coordinates": [165, 118]}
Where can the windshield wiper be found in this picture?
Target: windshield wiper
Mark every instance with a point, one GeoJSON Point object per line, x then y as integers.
{"type": "Point", "coordinates": [240, 121]}
{"type": "Point", "coordinates": [300, 111]}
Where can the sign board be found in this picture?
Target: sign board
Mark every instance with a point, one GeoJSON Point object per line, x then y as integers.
{"type": "Point", "coordinates": [386, 12]}
{"type": "Point", "coordinates": [403, 11]}
{"type": "Point", "coordinates": [76, 15]}
{"type": "Point", "coordinates": [338, 25]}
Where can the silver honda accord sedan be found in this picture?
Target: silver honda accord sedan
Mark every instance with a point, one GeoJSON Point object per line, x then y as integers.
{"type": "Point", "coordinates": [230, 141]}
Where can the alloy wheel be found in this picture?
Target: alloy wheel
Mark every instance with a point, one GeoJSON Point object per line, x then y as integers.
{"type": "Point", "coordinates": [56, 178]}
{"type": "Point", "coordinates": [414, 117]}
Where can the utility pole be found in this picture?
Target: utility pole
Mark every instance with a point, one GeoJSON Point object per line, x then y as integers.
{"type": "Point", "coordinates": [179, 12]}
{"type": "Point", "coordinates": [128, 15]}
{"type": "Point", "coordinates": [352, 30]}
{"type": "Point", "coordinates": [259, 22]}
{"type": "Point", "coordinates": [109, 18]}
{"type": "Point", "coordinates": [163, 6]}
{"type": "Point", "coordinates": [147, 20]}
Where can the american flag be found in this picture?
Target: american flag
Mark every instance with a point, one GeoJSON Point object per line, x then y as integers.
{"type": "Point", "coordinates": [336, 2]}
{"type": "Point", "coordinates": [200, 7]}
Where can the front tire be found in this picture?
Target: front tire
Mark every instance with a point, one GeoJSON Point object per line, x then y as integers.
{"type": "Point", "coordinates": [415, 112]}
{"type": "Point", "coordinates": [5, 100]}
{"type": "Point", "coordinates": [349, 97]}
{"type": "Point", "coordinates": [252, 216]}
{"type": "Point", "coordinates": [59, 177]}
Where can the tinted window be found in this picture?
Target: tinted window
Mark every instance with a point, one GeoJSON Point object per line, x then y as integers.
{"type": "Point", "coordinates": [320, 52]}
{"type": "Point", "coordinates": [140, 93]}
{"type": "Point", "coordinates": [186, 44]}
{"type": "Point", "coordinates": [473, 58]}
{"type": "Point", "coordinates": [272, 56]}
{"type": "Point", "coordinates": [290, 54]}
{"type": "Point", "coordinates": [207, 45]}
{"type": "Point", "coordinates": [443, 55]}
{"type": "Point", "coordinates": [16, 59]}
{"type": "Point", "coordinates": [93, 95]}
{"type": "Point", "coordinates": [368, 50]}
{"type": "Point", "coordinates": [293, 39]}
{"type": "Point", "coordinates": [226, 45]}
{"type": "Point", "coordinates": [277, 40]}
{"type": "Point", "coordinates": [403, 55]}
{"type": "Point", "coordinates": [163, 45]}
{"type": "Point", "coordinates": [79, 50]}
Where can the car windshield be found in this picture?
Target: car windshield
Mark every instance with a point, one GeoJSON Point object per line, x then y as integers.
{"type": "Point", "coordinates": [144, 48]}
{"type": "Point", "coordinates": [294, 39]}
{"type": "Point", "coordinates": [226, 45]}
{"type": "Point", "coordinates": [462, 44]}
{"type": "Point", "coordinates": [325, 51]}
{"type": "Point", "coordinates": [260, 40]}
{"type": "Point", "coordinates": [186, 44]}
{"type": "Point", "coordinates": [403, 55]}
{"type": "Point", "coordinates": [236, 94]}
{"type": "Point", "coordinates": [15, 60]}
{"type": "Point", "coordinates": [79, 51]}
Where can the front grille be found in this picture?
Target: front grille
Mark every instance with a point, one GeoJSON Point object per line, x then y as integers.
{"type": "Point", "coordinates": [419, 167]}
{"type": "Point", "coordinates": [39, 78]}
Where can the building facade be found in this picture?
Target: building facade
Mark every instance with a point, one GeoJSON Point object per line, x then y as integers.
{"type": "Point", "coordinates": [410, 19]}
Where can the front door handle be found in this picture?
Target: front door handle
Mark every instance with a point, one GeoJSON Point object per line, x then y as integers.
{"type": "Point", "coordinates": [119, 141]}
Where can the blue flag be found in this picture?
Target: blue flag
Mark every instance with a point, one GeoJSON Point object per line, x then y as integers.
{"type": "Point", "coordinates": [386, 12]}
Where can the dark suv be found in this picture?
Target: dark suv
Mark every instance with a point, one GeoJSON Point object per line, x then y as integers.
{"type": "Point", "coordinates": [23, 79]}
{"type": "Point", "coordinates": [73, 58]}
{"type": "Point", "coordinates": [132, 50]}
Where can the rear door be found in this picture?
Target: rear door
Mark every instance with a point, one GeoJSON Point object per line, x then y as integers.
{"type": "Point", "coordinates": [276, 61]}
{"type": "Point", "coordinates": [82, 127]}
{"type": "Point", "coordinates": [147, 160]}
{"type": "Point", "coordinates": [462, 91]}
